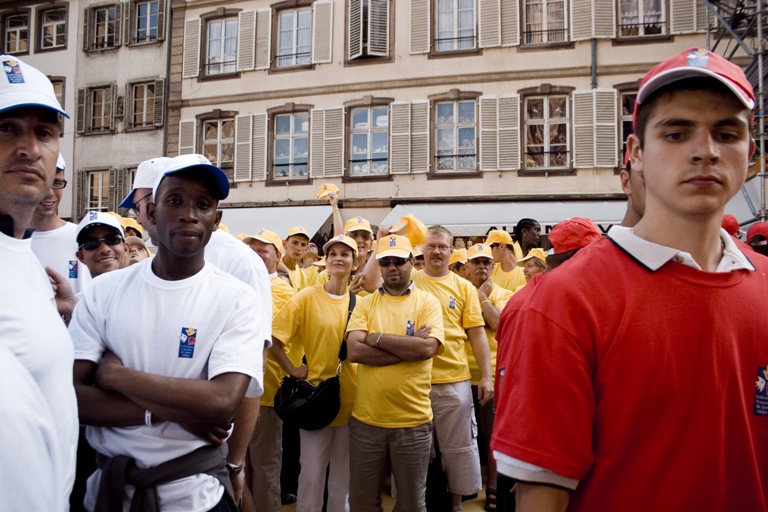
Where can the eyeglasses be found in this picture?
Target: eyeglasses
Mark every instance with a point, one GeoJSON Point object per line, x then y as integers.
{"type": "Point", "coordinates": [92, 245]}
{"type": "Point", "coordinates": [59, 183]}
{"type": "Point", "coordinates": [432, 247]}
{"type": "Point", "coordinates": [398, 262]}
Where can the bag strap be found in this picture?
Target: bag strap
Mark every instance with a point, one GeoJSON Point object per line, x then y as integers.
{"type": "Point", "coordinates": [343, 348]}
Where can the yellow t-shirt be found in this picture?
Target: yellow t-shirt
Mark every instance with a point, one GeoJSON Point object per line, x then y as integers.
{"type": "Point", "coordinates": [509, 280]}
{"type": "Point", "coordinates": [498, 297]}
{"type": "Point", "coordinates": [396, 396]}
{"type": "Point", "coordinates": [298, 278]}
{"type": "Point", "coordinates": [461, 311]}
{"type": "Point", "coordinates": [273, 374]}
{"type": "Point", "coordinates": [325, 276]}
{"type": "Point", "coordinates": [310, 274]}
{"type": "Point", "coordinates": [316, 321]}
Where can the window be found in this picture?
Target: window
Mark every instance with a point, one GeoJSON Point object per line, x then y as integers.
{"type": "Point", "coordinates": [58, 89]}
{"type": "Point", "coordinates": [369, 141]}
{"type": "Point", "coordinates": [53, 29]}
{"type": "Point", "coordinates": [546, 132]}
{"type": "Point", "coordinates": [97, 191]}
{"type": "Point", "coordinates": [146, 21]}
{"type": "Point", "coordinates": [294, 43]}
{"type": "Point", "coordinates": [455, 25]}
{"type": "Point", "coordinates": [16, 34]}
{"type": "Point", "coordinates": [221, 52]}
{"type": "Point", "coordinates": [100, 114]}
{"type": "Point", "coordinates": [219, 141]}
{"type": "Point", "coordinates": [545, 21]}
{"type": "Point", "coordinates": [102, 27]}
{"type": "Point", "coordinates": [368, 29]}
{"type": "Point", "coordinates": [641, 18]}
{"type": "Point", "coordinates": [146, 104]}
{"type": "Point", "coordinates": [291, 145]}
{"type": "Point", "coordinates": [455, 133]}
{"type": "Point", "coordinates": [627, 111]}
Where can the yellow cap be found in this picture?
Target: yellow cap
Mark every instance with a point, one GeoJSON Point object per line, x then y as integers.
{"type": "Point", "coordinates": [326, 189]}
{"type": "Point", "coordinates": [480, 251]}
{"type": "Point", "coordinates": [394, 245]}
{"type": "Point", "coordinates": [538, 253]}
{"type": "Point", "coordinates": [297, 230]}
{"type": "Point", "coordinates": [241, 236]}
{"type": "Point", "coordinates": [268, 237]}
{"type": "Point", "coordinates": [341, 239]}
{"type": "Point", "coordinates": [223, 227]}
{"type": "Point", "coordinates": [412, 228]}
{"type": "Point", "coordinates": [458, 256]}
{"type": "Point", "coordinates": [128, 222]}
{"type": "Point", "coordinates": [357, 224]}
{"type": "Point", "coordinates": [498, 236]}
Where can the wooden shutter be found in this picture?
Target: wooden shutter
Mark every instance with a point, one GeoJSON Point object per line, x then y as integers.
{"type": "Point", "coordinates": [316, 145]}
{"type": "Point", "coordinates": [510, 23]}
{"type": "Point", "coordinates": [187, 137]}
{"type": "Point", "coordinates": [583, 129]}
{"type": "Point", "coordinates": [82, 107]}
{"type": "Point", "coordinates": [113, 116]}
{"type": "Point", "coordinates": [334, 142]}
{"type": "Point", "coordinates": [581, 20]}
{"type": "Point", "coordinates": [420, 26]}
{"type": "Point", "coordinates": [489, 19]}
{"type": "Point", "coordinates": [246, 40]}
{"type": "Point", "coordinates": [243, 147]}
{"type": "Point", "coordinates": [378, 28]}
{"type": "Point", "coordinates": [419, 136]}
{"type": "Point", "coordinates": [160, 20]}
{"type": "Point", "coordinates": [80, 195]}
{"type": "Point", "coordinates": [112, 200]}
{"type": "Point", "coordinates": [259, 147]}
{"type": "Point", "coordinates": [159, 114]}
{"type": "Point", "coordinates": [263, 38]}
{"type": "Point", "coordinates": [400, 137]}
{"type": "Point", "coordinates": [489, 147]}
{"type": "Point", "coordinates": [687, 16]}
{"type": "Point", "coordinates": [191, 65]}
{"type": "Point", "coordinates": [355, 29]}
{"type": "Point", "coordinates": [509, 132]}
{"type": "Point", "coordinates": [119, 23]}
{"type": "Point", "coordinates": [606, 128]}
{"type": "Point", "coordinates": [86, 31]}
{"type": "Point", "coordinates": [605, 19]}
{"type": "Point", "coordinates": [129, 14]}
{"type": "Point", "coordinates": [322, 32]}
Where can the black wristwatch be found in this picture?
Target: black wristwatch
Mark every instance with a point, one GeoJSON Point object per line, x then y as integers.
{"type": "Point", "coordinates": [234, 470]}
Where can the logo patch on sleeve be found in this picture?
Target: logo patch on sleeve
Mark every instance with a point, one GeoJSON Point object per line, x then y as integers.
{"type": "Point", "coordinates": [761, 394]}
{"type": "Point", "coordinates": [187, 340]}
{"type": "Point", "coordinates": [73, 269]}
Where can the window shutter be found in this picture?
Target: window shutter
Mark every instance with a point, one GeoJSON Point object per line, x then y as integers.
{"type": "Point", "coordinates": [263, 35]}
{"type": "Point", "coordinates": [490, 23]}
{"type": "Point", "coordinates": [86, 33]}
{"type": "Point", "coordinates": [420, 26]}
{"type": "Point", "coordinates": [334, 142]}
{"type": "Point", "coordinates": [113, 114]}
{"type": "Point", "coordinates": [191, 65]}
{"type": "Point", "coordinates": [510, 23]}
{"type": "Point", "coordinates": [581, 20]}
{"type": "Point", "coordinates": [82, 97]}
{"type": "Point", "coordinates": [159, 114]}
{"type": "Point", "coordinates": [606, 128]}
{"type": "Point", "coordinates": [130, 29]}
{"type": "Point", "coordinates": [316, 145]}
{"type": "Point", "coordinates": [420, 136]}
{"type": "Point", "coordinates": [489, 148]}
{"type": "Point", "coordinates": [128, 106]}
{"type": "Point", "coordinates": [355, 29]}
{"type": "Point", "coordinates": [687, 16]}
{"type": "Point", "coordinates": [604, 19]}
{"type": "Point", "coordinates": [243, 149]}
{"type": "Point", "coordinates": [246, 40]}
{"type": "Point", "coordinates": [119, 23]}
{"type": "Point", "coordinates": [583, 129]}
{"type": "Point", "coordinates": [81, 195]}
{"type": "Point", "coordinates": [400, 138]}
{"type": "Point", "coordinates": [161, 20]}
{"type": "Point", "coordinates": [112, 201]}
{"type": "Point", "coordinates": [259, 147]}
{"type": "Point", "coordinates": [322, 32]}
{"type": "Point", "coordinates": [187, 137]}
{"type": "Point", "coordinates": [509, 132]}
{"type": "Point", "coordinates": [378, 28]}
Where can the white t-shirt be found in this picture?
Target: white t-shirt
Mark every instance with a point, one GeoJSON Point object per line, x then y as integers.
{"type": "Point", "coordinates": [28, 438]}
{"type": "Point", "coordinates": [56, 249]}
{"type": "Point", "coordinates": [195, 328]}
{"type": "Point", "coordinates": [31, 328]}
{"type": "Point", "coordinates": [235, 258]}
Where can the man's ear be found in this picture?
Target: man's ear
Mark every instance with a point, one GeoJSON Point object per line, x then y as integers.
{"type": "Point", "coordinates": [219, 213]}
{"type": "Point", "coordinates": [635, 153]}
{"type": "Point", "coordinates": [79, 255]}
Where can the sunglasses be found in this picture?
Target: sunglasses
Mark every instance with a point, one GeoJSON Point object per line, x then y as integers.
{"type": "Point", "coordinates": [59, 183]}
{"type": "Point", "coordinates": [92, 245]}
{"type": "Point", "coordinates": [398, 262]}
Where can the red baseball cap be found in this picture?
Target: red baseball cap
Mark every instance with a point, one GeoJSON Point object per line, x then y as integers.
{"type": "Point", "coordinates": [696, 62]}
{"type": "Point", "coordinates": [571, 234]}
{"type": "Point", "coordinates": [730, 224]}
{"type": "Point", "coordinates": [758, 228]}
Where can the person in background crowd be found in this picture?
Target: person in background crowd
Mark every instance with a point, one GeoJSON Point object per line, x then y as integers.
{"type": "Point", "coordinates": [731, 226]}
{"type": "Point", "coordinates": [527, 235]}
{"type": "Point", "coordinates": [634, 188]}
{"type": "Point", "coordinates": [295, 244]}
{"type": "Point", "coordinates": [458, 263]}
{"type": "Point", "coordinates": [505, 271]}
{"type": "Point", "coordinates": [310, 256]}
{"type": "Point", "coordinates": [418, 258]}
{"type": "Point", "coordinates": [37, 351]}
{"type": "Point", "coordinates": [137, 250]}
{"type": "Point", "coordinates": [757, 237]}
{"type": "Point", "coordinates": [101, 245]}
{"type": "Point", "coordinates": [534, 263]}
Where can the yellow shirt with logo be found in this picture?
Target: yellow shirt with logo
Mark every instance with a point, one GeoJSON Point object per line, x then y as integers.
{"type": "Point", "coordinates": [509, 280]}
{"type": "Point", "coordinates": [396, 396]}
{"type": "Point", "coordinates": [273, 374]}
{"type": "Point", "coordinates": [461, 311]}
{"type": "Point", "coordinates": [316, 321]}
{"type": "Point", "coordinates": [298, 278]}
{"type": "Point", "coordinates": [310, 274]}
{"type": "Point", "coordinates": [498, 297]}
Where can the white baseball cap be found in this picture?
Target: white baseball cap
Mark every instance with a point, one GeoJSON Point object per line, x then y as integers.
{"type": "Point", "coordinates": [146, 176]}
{"type": "Point", "coordinates": [21, 85]}
{"type": "Point", "coordinates": [99, 218]}
{"type": "Point", "coordinates": [199, 162]}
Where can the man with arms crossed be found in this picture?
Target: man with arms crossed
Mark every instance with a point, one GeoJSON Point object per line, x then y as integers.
{"type": "Point", "coordinates": [393, 334]}
{"type": "Point", "coordinates": [642, 389]}
{"type": "Point", "coordinates": [161, 393]}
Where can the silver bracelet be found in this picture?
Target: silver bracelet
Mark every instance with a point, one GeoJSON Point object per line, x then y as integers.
{"type": "Point", "coordinates": [148, 418]}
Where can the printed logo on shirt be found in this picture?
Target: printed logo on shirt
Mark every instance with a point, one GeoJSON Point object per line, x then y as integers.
{"type": "Point", "coordinates": [73, 269]}
{"type": "Point", "coordinates": [451, 302]}
{"type": "Point", "coordinates": [187, 340]}
{"type": "Point", "coordinates": [410, 328]}
{"type": "Point", "coordinates": [761, 395]}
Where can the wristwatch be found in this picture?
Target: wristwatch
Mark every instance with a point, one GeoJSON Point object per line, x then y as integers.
{"type": "Point", "coordinates": [234, 470]}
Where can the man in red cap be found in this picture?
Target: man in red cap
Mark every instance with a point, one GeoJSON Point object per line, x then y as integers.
{"type": "Point", "coordinates": [634, 382]}
{"type": "Point", "coordinates": [757, 237]}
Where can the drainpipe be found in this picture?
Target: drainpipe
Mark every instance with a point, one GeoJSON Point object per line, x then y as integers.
{"type": "Point", "coordinates": [594, 63]}
{"type": "Point", "coordinates": [169, 43]}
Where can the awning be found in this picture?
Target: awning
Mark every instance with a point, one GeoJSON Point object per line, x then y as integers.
{"type": "Point", "coordinates": [476, 219]}
{"type": "Point", "coordinates": [278, 219]}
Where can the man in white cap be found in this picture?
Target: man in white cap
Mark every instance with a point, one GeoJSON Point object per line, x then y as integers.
{"type": "Point", "coordinates": [646, 389]}
{"type": "Point", "coordinates": [101, 244]}
{"type": "Point", "coordinates": [161, 394]}
{"type": "Point", "coordinates": [31, 330]}
{"type": "Point", "coordinates": [53, 240]}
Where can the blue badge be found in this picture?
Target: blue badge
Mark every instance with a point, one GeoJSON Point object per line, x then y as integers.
{"type": "Point", "coordinates": [761, 395]}
{"type": "Point", "coordinates": [13, 71]}
{"type": "Point", "coordinates": [73, 269]}
{"type": "Point", "coordinates": [451, 302]}
{"type": "Point", "coordinates": [392, 242]}
{"type": "Point", "coordinates": [698, 58]}
{"type": "Point", "coordinates": [410, 328]}
{"type": "Point", "coordinates": [93, 216]}
{"type": "Point", "coordinates": [187, 340]}
{"type": "Point", "coordinates": [480, 248]}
